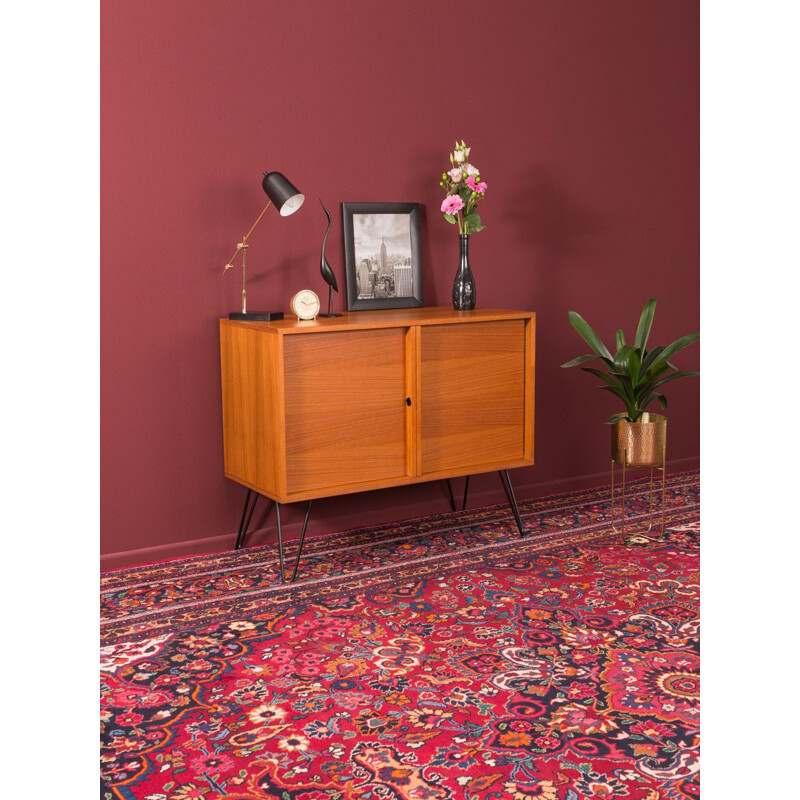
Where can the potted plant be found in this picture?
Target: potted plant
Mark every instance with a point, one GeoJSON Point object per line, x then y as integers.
{"type": "Point", "coordinates": [636, 375]}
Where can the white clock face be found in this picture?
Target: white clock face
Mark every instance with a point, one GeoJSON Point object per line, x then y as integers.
{"type": "Point", "coordinates": [305, 304]}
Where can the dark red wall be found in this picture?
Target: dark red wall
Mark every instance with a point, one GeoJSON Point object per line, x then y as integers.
{"type": "Point", "coordinates": [583, 118]}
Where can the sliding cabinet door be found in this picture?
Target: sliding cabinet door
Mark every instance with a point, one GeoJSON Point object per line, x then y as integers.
{"type": "Point", "coordinates": [345, 409]}
{"type": "Point", "coordinates": [473, 396]}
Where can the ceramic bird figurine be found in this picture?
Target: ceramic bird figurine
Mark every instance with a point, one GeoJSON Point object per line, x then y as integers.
{"type": "Point", "coordinates": [325, 267]}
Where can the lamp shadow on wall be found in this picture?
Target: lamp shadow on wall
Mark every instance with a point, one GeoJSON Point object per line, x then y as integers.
{"type": "Point", "coordinates": [565, 240]}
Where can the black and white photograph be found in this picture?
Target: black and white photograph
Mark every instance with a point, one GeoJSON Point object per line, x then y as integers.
{"type": "Point", "coordinates": [382, 255]}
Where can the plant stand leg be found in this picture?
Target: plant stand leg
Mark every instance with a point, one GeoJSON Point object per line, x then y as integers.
{"type": "Point", "coordinates": [651, 500]}
{"type": "Point", "coordinates": [663, 468]}
{"type": "Point", "coordinates": [613, 514]}
{"type": "Point", "coordinates": [466, 491]}
{"type": "Point", "coordinates": [299, 548]}
{"type": "Point", "coordinates": [663, 491]}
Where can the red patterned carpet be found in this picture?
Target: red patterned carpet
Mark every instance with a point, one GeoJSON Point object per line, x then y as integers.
{"type": "Point", "coordinates": [446, 657]}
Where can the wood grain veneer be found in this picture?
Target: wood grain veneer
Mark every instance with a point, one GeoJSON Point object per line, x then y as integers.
{"type": "Point", "coordinates": [345, 408]}
{"type": "Point", "coordinates": [375, 399]}
{"type": "Point", "coordinates": [473, 395]}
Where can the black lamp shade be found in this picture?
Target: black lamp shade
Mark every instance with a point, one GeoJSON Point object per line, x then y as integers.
{"type": "Point", "coordinates": [284, 196]}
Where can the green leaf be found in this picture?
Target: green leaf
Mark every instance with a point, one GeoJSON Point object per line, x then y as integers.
{"type": "Point", "coordinates": [619, 387]}
{"type": "Point", "coordinates": [472, 223]}
{"type": "Point", "coordinates": [650, 356]}
{"type": "Point", "coordinates": [609, 379]}
{"type": "Point", "coordinates": [579, 360]}
{"type": "Point", "coordinates": [685, 374]}
{"type": "Point", "coordinates": [622, 357]}
{"type": "Point", "coordinates": [662, 401]}
{"type": "Point", "coordinates": [628, 360]}
{"type": "Point", "coordinates": [630, 407]}
{"type": "Point", "coordinates": [645, 323]}
{"type": "Point", "coordinates": [619, 339]}
{"type": "Point", "coordinates": [586, 332]}
{"type": "Point", "coordinates": [614, 390]}
{"type": "Point", "coordinates": [451, 219]}
{"type": "Point", "coordinates": [659, 367]}
{"type": "Point", "coordinates": [679, 344]}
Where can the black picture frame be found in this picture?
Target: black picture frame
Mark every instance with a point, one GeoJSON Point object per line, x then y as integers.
{"type": "Point", "coordinates": [380, 275]}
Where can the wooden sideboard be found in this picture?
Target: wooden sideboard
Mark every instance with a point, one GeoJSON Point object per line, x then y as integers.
{"type": "Point", "coordinates": [374, 399]}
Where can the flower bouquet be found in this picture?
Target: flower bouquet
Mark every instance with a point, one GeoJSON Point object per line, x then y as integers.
{"type": "Point", "coordinates": [464, 189]}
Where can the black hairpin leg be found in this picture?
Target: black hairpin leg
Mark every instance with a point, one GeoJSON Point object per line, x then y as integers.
{"type": "Point", "coordinates": [299, 548]}
{"type": "Point", "coordinates": [512, 500]}
{"type": "Point", "coordinates": [450, 493]}
{"type": "Point", "coordinates": [247, 515]}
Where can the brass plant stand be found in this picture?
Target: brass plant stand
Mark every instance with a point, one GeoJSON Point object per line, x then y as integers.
{"type": "Point", "coordinates": [639, 445]}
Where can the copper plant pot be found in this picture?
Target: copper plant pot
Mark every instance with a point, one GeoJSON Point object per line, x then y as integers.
{"type": "Point", "coordinates": [639, 444]}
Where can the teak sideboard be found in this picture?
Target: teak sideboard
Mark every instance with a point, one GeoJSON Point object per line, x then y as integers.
{"type": "Point", "coordinates": [373, 399]}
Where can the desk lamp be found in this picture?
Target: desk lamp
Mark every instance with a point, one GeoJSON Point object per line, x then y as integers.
{"type": "Point", "coordinates": [287, 200]}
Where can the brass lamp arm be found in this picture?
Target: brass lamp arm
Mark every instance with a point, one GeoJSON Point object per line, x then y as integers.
{"type": "Point", "coordinates": [243, 243]}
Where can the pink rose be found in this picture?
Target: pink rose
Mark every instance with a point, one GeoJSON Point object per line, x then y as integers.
{"type": "Point", "coordinates": [472, 170]}
{"type": "Point", "coordinates": [455, 174]}
{"type": "Point", "coordinates": [452, 204]}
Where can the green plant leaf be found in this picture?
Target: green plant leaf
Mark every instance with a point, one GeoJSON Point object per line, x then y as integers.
{"type": "Point", "coordinates": [679, 344]}
{"type": "Point", "coordinates": [611, 380]}
{"type": "Point", "coordinates": [658, 367]}
{"type": "Point", "coordinates": [662, 401]}
{"type": "Point", "coordinates": [633, 374]}
{"type": "Point", "coordinates": [579, 360]}
{"type": "Point", "coordinates": [472, 223]}
{"type": "Point", "coordinates": [623, 356]}
{"type": "Point", "coordinates": [645, 323]}
{"type": "Point", "coordinates": [586, 332]}
{"type": "Point", "coordinates": [673, 376]}
{"type": "Point", "coordinates": [634, 365]}
{"type": "Point", "coordinates": [621, 395]}
{"type": "Point", "coordinates": [650, 356]}
{"type": "Point", "coordinates": [630, 409]}
{"type": "Point", "coordinates": [451, 219]}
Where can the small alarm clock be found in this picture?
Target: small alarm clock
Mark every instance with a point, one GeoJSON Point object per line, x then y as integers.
{"type": "Point", "coordinates": [305, 304]}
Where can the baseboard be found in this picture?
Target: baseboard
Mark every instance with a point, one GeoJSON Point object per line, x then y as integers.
{"type": "Point", "coordinates": [533, 488]}
{"type": "Point", "coordinates": [340, 515]}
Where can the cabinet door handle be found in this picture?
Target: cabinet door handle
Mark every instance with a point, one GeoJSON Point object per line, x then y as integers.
{"type": "Point", "coordinates": [408, 401]}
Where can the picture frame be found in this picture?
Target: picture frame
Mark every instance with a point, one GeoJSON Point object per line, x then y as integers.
{"type": "Point", "coordinates": [382, 255]}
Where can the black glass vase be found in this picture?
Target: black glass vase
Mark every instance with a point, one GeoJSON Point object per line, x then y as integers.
{"type": "Point", "coordinates": [464, 284]}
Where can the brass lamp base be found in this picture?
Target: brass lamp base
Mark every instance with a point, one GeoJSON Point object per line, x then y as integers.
{"type": "Point", "coordinates": [256, 316]}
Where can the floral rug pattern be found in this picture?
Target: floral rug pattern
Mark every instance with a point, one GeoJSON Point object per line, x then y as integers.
{"type": "Point", "coordinates": [447, 657]}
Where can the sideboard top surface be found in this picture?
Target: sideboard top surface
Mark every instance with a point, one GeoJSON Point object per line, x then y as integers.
{"type": "Point", "coordinates": [385, 318]}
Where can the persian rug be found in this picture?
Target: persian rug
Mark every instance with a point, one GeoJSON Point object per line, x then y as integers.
{"type": "Point", "coordinates": [444, 657]}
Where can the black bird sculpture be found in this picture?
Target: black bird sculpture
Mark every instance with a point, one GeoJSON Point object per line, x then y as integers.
{"type": "Point", "coordinates": [325, 267]}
